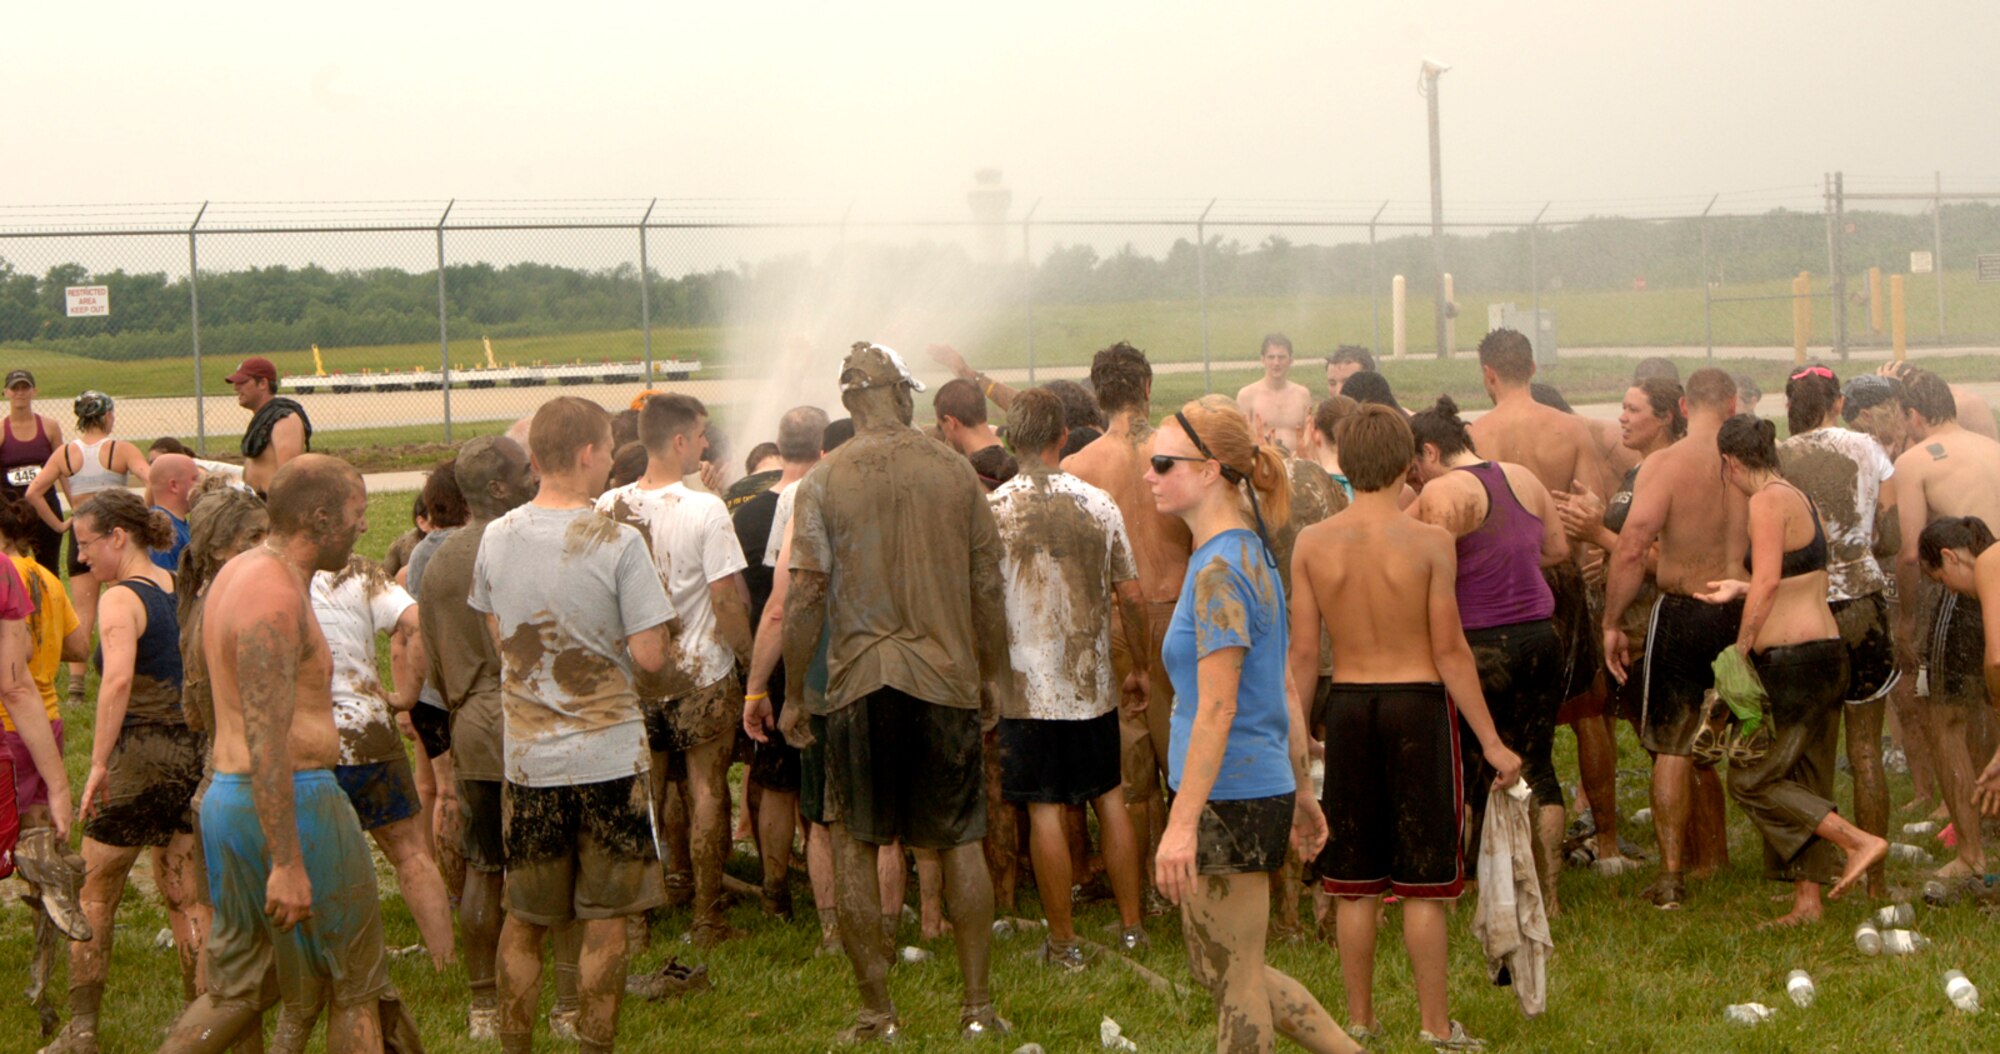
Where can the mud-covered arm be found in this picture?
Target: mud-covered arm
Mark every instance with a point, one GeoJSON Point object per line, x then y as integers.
{"type": "Point", "coordinates": [408, 662]}
{"type": "Point", "coordinates": [730, 598]}
{"type": "Point", "coordinates": [989, 597]}
{"type": "Point", "coordinates": [1912, 514]}
{"type": "Point", "coordinates": [1456, 668]}
{"type": "Point", "coordinates": [1138, 641]}
{"type": "Point", "coordinates": [1888, 523]}
{"type": "Point", "coordinates": [1302, 650]}
{"type": "Point", "coordinates": [267, 675]}
{"type": "Point", "coordinates": [769, 641]}
{"type": "Point", "coordinates": [804, 621]}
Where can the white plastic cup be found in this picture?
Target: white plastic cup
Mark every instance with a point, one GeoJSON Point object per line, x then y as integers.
{"type": "Point", "coordinates": [1961, 991]}
{"type": "Point", "coordinates": [1799, 985]}
{"type": "Point", "coordinates": [1749, 1013]}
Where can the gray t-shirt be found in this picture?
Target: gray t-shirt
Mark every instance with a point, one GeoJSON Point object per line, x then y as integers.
{"type": "Point", "coordinates": [413, 576]}
{"type": "Point", "coordinates": [567, 587]}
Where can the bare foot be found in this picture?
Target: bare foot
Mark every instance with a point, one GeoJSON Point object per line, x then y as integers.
{"type": "Point", "coordinates": [1939, 813]}
{"type": "Point", "coordinates": [931, 933]}
{"type": "Point", "coordinates": [1858, 862]}
{"type": "Point", "coordinates": [1954, 871]}
{"type": "Point", "coordinates": [1800, 915]}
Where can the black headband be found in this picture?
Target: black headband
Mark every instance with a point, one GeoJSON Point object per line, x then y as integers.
{"type": "Point", "coordinates": [1233, 475]}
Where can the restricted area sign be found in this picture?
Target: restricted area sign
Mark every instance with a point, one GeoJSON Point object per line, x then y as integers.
{"type": "Point", "coordinates": [82, 300]}
{"type": "Point", "coordinates": [1920, 261]}
{"type": "Point", "coordinates": [1989, 267]}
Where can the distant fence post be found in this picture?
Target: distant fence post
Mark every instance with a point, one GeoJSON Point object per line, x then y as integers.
{"type": "Point", "coordinates": [1937, 246]}
{"type": "Point", "coordinates": [1028, 260]}
{"type": "Point", "coordinates": [645, 295]}
{"type": "Point", "coordinates": [1535, 279]}
{"type": "Point", "coordinates": [1374, 293]}
{"type": "Point", "coordinates": [444, 344]}
{"type": "Point", "coordinates": [1707, 284]}
{"type": "Point", "coordinates": [1201, 289]}
{"type": "Point", "coordinates": [194, 332]}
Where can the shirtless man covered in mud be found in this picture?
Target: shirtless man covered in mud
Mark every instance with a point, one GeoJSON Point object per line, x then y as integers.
{"type": "Point", "coordinates": [1116, 463]}
{"type": "Point", "coordinates": [895, 553]}
{"type": "Point", "coordinates": [1276, 405]}
{"type": "Point", "coordinates": [1947, 471]}
{"type": "Point", "coordinates": [291, 870]}
{"type": "Point", "coordinates": [576, 609]}
{"type": "Point", "coordinates": [1702, 525]}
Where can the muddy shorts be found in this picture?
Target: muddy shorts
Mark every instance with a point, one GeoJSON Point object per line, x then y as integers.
{"type": "Point", "coordinates": [29, 790]}
{"type": "Point", "coordinates": [1951, 645]}
{"type": "Point", "coordinates": [1143, 738]}
{"type": "Point", "coordinates": [1682, 642]}
{"type": "Point", "coordinates": [335, 953]}
{"type": "Point", "coordinates": [1394, 797]}
{"type": "Point", "coordinates": [1871, 653]}
{"type": "Point", "coordinates": [1059, 762]}
{"type": "Point", "coordinates": [774, 764]}
{"type": "Point", "coordinates": [900, 767]}
{"type": "Point", "coordinates": [149, 786]}
{"type": "Point", "coordinates": [699, 717]}
{"type": "Point", "coordinates": [1581, 645]}
{"type": "Point", "coordinates": [433, 725]}
{"type": "Point", "coordinates": [382, 793]}
{"type": "Point", "coordinates": [1518, 674]}
{"type": "Point", "coordinates": [1244, 836]}
{"type": "Point", "coordinates": [581, 852]}
{"type": "Point", "coordinates": [479, 840]}
{"type": "Point", "coordinates": [812, 775]}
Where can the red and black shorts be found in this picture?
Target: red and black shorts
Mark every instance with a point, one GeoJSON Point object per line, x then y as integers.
{"type": "Point", "coordinates": [1394, 796]}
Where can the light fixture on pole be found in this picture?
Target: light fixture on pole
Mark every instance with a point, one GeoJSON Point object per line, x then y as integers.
{"type": "Point", "coordinates": [1427, 83]}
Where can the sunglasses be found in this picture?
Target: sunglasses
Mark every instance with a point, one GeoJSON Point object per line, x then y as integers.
{"type": "Point", "coordinates": [1164, 463]}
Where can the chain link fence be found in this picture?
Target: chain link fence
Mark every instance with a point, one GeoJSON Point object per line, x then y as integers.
{"type": "Point", "coordinates": [401, 323]}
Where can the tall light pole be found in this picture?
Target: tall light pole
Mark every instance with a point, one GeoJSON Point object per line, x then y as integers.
{"type": "Point", "coordinates": [1427, 86]}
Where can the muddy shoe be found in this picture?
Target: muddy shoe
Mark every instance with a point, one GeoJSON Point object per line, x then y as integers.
{"type": "Point", "coordinates": [562, 1023]}
{"type": "Point", "coordinates": [777, 903]}
{"type": "Point", "coordinates": [1456, 1039]}
{"type": "Point", "coordinates": [1363, 1034]}
{"type": "Point", "coordinates": [672, 980]}
{"type": "Point", "coordinates": [872, 1026]}
{"type": "Point", "coordinates": [73, 1040]}
{"type": "Point", "coordinates": [1156, 904]}
{"type": "Point", "coordinates": [979, 1022]}
{"type": "Point", "coordinates": [1667, 892]}
{"type": "Point", "coordinates": [1133, 940]}
{"type": "Point", "coordinates": [482, 1023]}
{"type": "Point", "coordinates": [58, 876]}
{"type": "Point", "coordinates": [712, 932]}
{"type": "Point", "coordinates": [1613, 866]}
{"type": "Point", "coordinates": [1065, 956]}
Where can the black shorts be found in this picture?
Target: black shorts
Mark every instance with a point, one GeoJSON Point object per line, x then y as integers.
{"type": "Point", "coordinates": [383, 792]}
{"type": "Point", "coordinates": [1051, 762]}
{"type": "Point", "coordinates": [1953, 646]}
{"type": "Point", "coordinates": [1244, 836]}
{"type": "Point", "coordinates": [900, 767]}
{"type": "Point", "coordinates": [149, 786]}
{"type": "Point", "coordinates": [584, 851]}
{"type": "Point", "coordinates": [1394, 795]}
{"type": "Point", "coordinates": [480, 841]}
{"type": "Point", "coordinates": [774, 764]}
{"type": "Point", "coordinates": [1681, 645]}
{"type": "Point", "coordinates": [1581, 645]}
{"type": "Point", "coordinates": [48, 547]}
{"type": "Point", "coordinates": [1518, 674]}
{"type": "Point", "coordinates": [812, 774]}
{"type": "Point", "coordinates": [433, 725]}
{"type": "Point", "coordinates": [1871, 653]}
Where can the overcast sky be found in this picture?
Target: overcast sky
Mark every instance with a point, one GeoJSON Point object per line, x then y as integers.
{"type": "Point", "coordinates": [1631, 107]}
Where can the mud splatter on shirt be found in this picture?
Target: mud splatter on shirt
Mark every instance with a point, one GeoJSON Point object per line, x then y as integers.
{"type": "Point", "coordinates": [1233, 599]}
{"type": "Point", "coordinates": [567, 587]}
{"type": "Point", "coordinates": [1842, 472]}
{"type": "Point", "coordinates": [353, 605]}
{"type": "Point", "coordinates": [693, 544]}
{"type": "Point", "coordinates": [1066, 549]}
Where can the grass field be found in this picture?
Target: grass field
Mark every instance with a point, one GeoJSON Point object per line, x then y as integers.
{"type": "Point", "coordinates": [1626, 978]}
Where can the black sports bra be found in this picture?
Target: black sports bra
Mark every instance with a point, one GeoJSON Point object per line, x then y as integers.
{"type": "Point", "coordinates": [1809, 557]}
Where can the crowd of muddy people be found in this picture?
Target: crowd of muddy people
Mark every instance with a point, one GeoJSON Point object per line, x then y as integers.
{"type": "Point", "coordinates": [1273, 664]}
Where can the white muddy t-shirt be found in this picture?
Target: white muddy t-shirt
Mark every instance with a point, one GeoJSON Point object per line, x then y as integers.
{"type": "Point", "coordinates": [353, 606]}
{"type": "Point", "coordinates": [781, 520]}
{"type": "Point", "coordinates": [1066, 549]}
{"type": "Point", "coordinates": [693, 544]}
{"type": "Point", "coordinates": [567, 587]}
{"type": "Point", "coordinates": [1843, 473]}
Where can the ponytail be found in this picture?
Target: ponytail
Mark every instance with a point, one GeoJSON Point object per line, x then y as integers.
{"type": "Point", "coordinates": [1271, 478]}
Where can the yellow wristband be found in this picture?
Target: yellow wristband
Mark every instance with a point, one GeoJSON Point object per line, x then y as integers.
{"type": "Point", "coordinates": [753, 697]}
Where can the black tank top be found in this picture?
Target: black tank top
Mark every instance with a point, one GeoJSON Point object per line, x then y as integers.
{"type": "Point", "coordinates": [20, 459]}
{"type": "Point", "coordinates": [156, 667]}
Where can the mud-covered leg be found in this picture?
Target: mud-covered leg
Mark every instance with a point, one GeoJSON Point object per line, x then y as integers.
{"type": "Point", "coordinates": [1224, 920]}
{"type": "Point", "coordinates": [601, 976]}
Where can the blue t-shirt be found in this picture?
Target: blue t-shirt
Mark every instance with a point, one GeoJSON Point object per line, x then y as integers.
{"type": "Point", "coordinates": [1233, 599]}
{"type": "Point", "coordinates": [170, 559]}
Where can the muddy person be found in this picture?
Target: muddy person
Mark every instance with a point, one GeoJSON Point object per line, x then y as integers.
{"type": "Point", "coordinates": [279, 429]}
{"type": "Point", "coordinates": [144, 761]}
{"type": "Point", "coordinates": [960, 409]}
{"type": "Point", "coordinates": [896, 556]}
{"type": "Point", "coordinates": [1948, 471]}
{"type": "Point", "coordinates": [1848, 478]}
{"type": "Point", "coordinates": [1563, 452]}
{"type": "Point", "coordinates": [1789, 633]}
{"type": "Point", "coordinates": [1276, 405]}
{"type": "Point", "coordinates": [1067, 558]}
{"type": "Point", "coordinates": [1116, 463]}
{"type": "Point", "coordinates": [1237, 754]}
{"type": "Point", "coordinates": [289, 867]}
{"type": "Point", "coordinates": [495, 477]}
{"type": "Point", "coordinates": [1505, 529]}
{"type": "Point", "coordinates": [1680, 499]}
{"type": "Point", "coordinates": [1381, 584]}
{"type": "Point", "coordinates": [1957, 552]}
{"type": "Point", "coordinates": [574, 604]}
{"type": "Point", "coordinates": [694, 549]}
{"type": "Point", "coordinates": [1975, 415]}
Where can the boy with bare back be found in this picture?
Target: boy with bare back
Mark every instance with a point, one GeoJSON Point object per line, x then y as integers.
{"type": "Point", "coordinates": [293, 881]}
{"type": "Point", "coordinates": [1383, 586]}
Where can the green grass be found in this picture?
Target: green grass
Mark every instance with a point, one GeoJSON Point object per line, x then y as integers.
{"type": "Point", "coordinates": [1626, 978]}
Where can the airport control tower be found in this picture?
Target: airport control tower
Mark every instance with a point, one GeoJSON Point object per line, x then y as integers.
{"type": "Point", "coordinates": [990, 199]}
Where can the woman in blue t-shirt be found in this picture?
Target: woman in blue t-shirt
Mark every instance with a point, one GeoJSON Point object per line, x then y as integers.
{"type": "Point", "coordinates": [1236, 760]}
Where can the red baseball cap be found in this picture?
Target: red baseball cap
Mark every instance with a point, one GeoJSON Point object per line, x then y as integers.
{"type": "Point", "coordinates": [259, 368]}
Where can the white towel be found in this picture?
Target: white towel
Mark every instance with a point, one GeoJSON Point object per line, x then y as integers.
{"type": "Point", "coordinates": [1511, 922]}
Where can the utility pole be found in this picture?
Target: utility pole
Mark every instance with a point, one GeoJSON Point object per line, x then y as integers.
{"type": "Point", "coordinates": [1427, 85]}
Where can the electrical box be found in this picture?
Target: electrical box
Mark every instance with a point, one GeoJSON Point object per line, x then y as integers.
{"type": "Point", "coordinates": [1541, 331]}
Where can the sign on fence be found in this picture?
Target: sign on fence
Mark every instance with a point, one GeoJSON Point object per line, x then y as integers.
{"type": "Point", "coordinates": [81, 300]}
{"type": "Point", "coordinates": [1989, 267]}
{"type": "Point", "coordinates": [1920, 261]}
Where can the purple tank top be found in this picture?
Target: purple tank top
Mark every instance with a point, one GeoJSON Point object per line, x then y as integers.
{"type": "Point", "coordinates": [1500, 563]}
{"type": "Point", "coordinates": [21, 458]}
